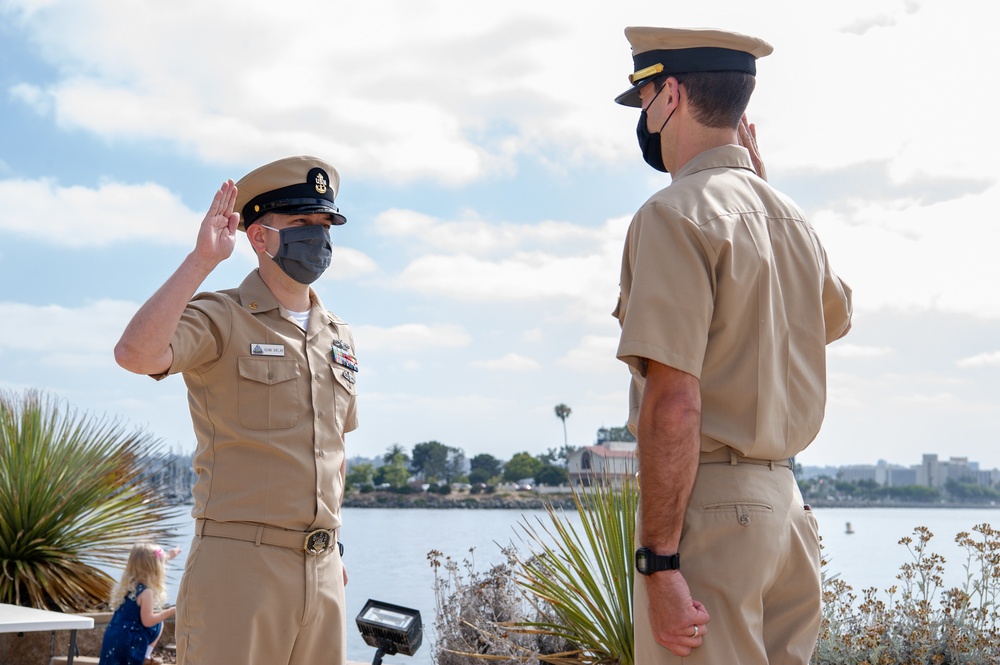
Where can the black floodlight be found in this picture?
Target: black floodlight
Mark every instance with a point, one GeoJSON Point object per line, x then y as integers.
{"type": "Point", "coordinates": [390, 628]}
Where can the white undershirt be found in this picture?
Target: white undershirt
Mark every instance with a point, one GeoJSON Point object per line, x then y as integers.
{"type": "Point", "coordinates": [302, 318]}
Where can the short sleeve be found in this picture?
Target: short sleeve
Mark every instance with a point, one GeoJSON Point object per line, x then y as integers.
{"type": "Point", "coordinates": [666, 303]}
{"type": "Point", "coordinates": [837, 305]}
{"type": "Point", "coordinates": [202, 333]}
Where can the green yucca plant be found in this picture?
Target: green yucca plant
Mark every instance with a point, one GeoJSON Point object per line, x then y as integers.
{"type": "Point", "coordinates": [586, 580]}
{"type": "Point", "coordinates": [71, 499]}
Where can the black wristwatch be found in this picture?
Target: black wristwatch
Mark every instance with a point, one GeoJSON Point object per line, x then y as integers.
{"type": "Point", "coordinates": [648, 562]}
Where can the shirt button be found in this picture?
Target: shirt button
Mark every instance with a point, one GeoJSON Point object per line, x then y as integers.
{"type": "Point", "coordinates": [319, 414]}
{"type": "Point", "coordinates": [319, 454]}
{"type": "Point", "coordinates": [320, 493]}
{"type": "Point", "coordinates": [316, 376]}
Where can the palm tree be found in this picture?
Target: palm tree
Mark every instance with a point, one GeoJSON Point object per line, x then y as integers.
{"type": "Point", "coordinates": [72, 499]}
{"type": "Point", "coordinates": [562, 413]}
{"type": "Point", "coordinates": [392, 451]}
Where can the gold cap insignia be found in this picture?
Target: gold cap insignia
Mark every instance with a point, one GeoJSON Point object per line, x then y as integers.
{"type": "Point", "coordinates": [320, 183]}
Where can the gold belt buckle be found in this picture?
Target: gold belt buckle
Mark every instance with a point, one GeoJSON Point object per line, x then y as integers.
{"type": "Point", "coordinates": [318, 542]}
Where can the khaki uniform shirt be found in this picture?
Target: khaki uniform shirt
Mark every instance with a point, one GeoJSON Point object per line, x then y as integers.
{"type": "Point", "coordinates": [270, 427]}
{"type": "Point", "coordinates": [724, 279]}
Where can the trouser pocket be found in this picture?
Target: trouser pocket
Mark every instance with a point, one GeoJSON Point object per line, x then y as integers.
{"type": "Point", "coordinates": [744, 512]}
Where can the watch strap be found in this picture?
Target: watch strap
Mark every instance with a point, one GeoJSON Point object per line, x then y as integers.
{"type": "Point", "coordinates": [654, 563]}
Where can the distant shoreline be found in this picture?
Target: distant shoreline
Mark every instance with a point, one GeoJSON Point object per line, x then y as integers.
{"type": "Point", "coordinates": [898, 504]}
{"type": "Point", "coordinates": [459, 501]}
{"type": "Point", "coordinates": [532, 501]}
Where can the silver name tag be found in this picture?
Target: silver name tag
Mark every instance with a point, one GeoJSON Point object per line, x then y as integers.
{"type": "Point", "coordinates": [267, 349]}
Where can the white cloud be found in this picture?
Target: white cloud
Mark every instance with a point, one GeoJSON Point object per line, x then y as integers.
{"type": "Point", "coordinates": [907, 255]}
{"type": "Point", "coordinates": [533, 336]}
{"type": "Point", "coordinates": [844, 350]}
{"type": "Point", "coordinates": [574, 266]}
{"type": "Point", "coordinates": [445, 94]}
{"type": "Point", "coordinates": [981, 360]}
{"type": "Point", "coordinates": [68, 337]}
{"type": "Point", "coordinates": [944, 402]}
{"type": "Point", "coordinates": [80, 217]}
{"type": "Point", "coordinates": [477, 237]}
{"type": "Point", "coordinates": [410, 337]}
{"type": "Point", "coordinates": [512, 362]}
{"type": "Point", "coordinates": [594, 354]}
{"type": "Point", "coordinates": [349, 263]}
{"type": "Point", "coordinates": [33, 97]}
{"type": "Point", "coordinates": [455, 93]}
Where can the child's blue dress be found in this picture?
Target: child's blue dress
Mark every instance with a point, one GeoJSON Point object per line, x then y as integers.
{"type": "Point", "coordinates": [126, 639]}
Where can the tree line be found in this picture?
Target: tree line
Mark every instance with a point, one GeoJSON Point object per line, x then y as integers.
{"type": "Point", "coordinates": [955, 491]}
{"type": "Point", "coordinates": [434, 463]}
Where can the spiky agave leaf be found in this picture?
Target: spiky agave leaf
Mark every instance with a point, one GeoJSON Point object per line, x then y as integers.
{"type": "Point", "coordinates": [70, 500]}
{"type": "Point", "coordinates": [586, 579]}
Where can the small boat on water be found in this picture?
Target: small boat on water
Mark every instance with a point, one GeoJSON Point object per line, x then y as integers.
{"type": "Point", "coordinates": [849, 529]}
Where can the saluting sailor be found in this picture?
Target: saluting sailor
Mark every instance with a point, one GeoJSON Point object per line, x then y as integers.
{"type": "Point", "coordinates": [727, 303]}
{"type": "Point", "coordinates": [271, 378]}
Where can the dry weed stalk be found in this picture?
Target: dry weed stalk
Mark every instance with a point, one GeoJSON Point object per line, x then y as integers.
{"type": "Point", "coordinates": [912, 625]}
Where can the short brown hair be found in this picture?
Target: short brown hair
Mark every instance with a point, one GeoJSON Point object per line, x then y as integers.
{"type": "Point", "coordinates": [718, 99]}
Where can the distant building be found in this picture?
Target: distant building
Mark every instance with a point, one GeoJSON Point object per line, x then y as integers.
{"type": "Point", "coordinates": [898, 476]}
{"type": "Point", "coordinates": [854, 473]}
{"type": "Point", "coordinates": [610, 460]}
{"type": "Point", "coordinates": [931, 472]}
{"type": "Point", "coordinates": [810, 472]}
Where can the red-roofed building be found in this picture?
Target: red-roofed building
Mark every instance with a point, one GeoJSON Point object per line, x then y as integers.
{"type": "Point", "coordinates": [610, 460]}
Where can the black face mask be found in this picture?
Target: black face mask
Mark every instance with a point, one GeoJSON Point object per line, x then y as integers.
{"type": "Point", "coordinates": [649, 142]}
{"type": "Point", "coordinates": [305, 252]}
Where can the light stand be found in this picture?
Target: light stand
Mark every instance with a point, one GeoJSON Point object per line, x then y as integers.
{"type": "Point", "coordinates": [390, 628]}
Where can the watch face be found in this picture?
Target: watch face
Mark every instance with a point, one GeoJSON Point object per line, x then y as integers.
{"type": "Point", "coordinates": [642, 560]}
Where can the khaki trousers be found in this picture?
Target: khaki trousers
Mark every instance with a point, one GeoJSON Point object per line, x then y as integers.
{"type": "Point", "coordinates": [260, 605]}
{"type": "Point", "coordinates": [750, 552]}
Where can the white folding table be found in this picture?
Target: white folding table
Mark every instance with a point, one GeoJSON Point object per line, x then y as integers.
{"type": "Point", "coordinates": [17, 619]}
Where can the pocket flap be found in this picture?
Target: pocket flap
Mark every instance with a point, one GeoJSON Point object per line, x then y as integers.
{"type": "Point", "coordinates": [268, 371]}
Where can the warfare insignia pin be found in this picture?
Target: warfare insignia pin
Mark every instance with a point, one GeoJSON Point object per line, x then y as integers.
{"type": "Point", "coordinates": [350, 377]}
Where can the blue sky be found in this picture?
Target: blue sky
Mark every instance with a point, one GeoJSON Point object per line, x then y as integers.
{"type": "Point", "coordinates": [488, 180]}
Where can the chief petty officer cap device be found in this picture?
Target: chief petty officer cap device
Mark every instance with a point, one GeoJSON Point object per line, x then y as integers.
{"type": "Point", "coordinates": [299, 185]}
{"type": "Point", "coordinates": [665, 51]}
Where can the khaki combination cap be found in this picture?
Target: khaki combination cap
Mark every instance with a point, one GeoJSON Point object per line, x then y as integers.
{"type": "Point", "coordinates": [657, 51]}
{"type": "Point", "coordinates": [289, 186]}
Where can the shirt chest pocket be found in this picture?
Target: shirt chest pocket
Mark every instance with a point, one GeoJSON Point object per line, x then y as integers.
{"type": "Point", "coordinates": [345, 379]}
{"type": "Point", "coordinates": [269, 393]}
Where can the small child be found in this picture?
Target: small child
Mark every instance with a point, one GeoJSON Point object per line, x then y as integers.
{"type": "Point", "coordinates": [136, 625]}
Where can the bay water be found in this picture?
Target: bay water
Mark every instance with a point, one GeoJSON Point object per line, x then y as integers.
{"type": "Point", "coordinates": [386, 552]}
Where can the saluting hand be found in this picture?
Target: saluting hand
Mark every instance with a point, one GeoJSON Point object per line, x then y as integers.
{"type": "Point", "coordinates": [217, 236]}
{"type": "Point", "coordinates": [748, 139]}
{"type": "Point", "coordinates": [673, 614]}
